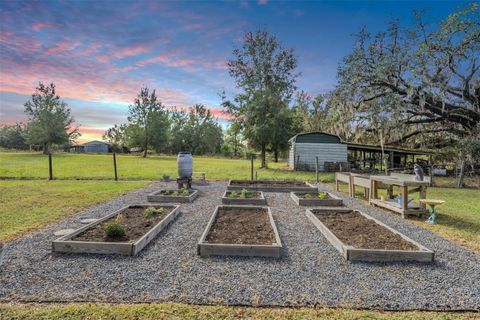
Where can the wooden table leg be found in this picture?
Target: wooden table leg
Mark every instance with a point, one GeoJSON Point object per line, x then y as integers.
{"type": "Point", "coordinates": [423, 195]}
{"type": "Point", "coordinates": [373, 190]}
{"type": "Point", "coordinates": [404, 200]}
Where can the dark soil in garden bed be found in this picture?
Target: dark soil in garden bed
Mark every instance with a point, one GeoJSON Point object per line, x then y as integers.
{"type": "Point", "coordinates": [174, 193]}
{"type": "Point", "coordinates": [241, 226]}
{"type": "Point", "coordinates": [360, 232]}
{"type": "Point", "coordinates": [313, 195]}
{"type": "Point", "coordinates": [267, 183]}
{"type": "Point", "coordinates": [248, 195]}
{"type": "Point", "coordinates": [134, 220]}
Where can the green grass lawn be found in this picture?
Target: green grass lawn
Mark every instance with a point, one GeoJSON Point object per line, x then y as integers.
{"type": "Point", "coordinates": [458, 219]}
{"type": "Point", "coordinates": [183, 311]}
{"type": "Point", "coordinates": [28, 205]}
{"type": "Point", "coordinates": [130, 167]}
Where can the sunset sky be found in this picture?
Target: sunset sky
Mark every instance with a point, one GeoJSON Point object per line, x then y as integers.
{"type": "Point", "coordinates": [99, 53]}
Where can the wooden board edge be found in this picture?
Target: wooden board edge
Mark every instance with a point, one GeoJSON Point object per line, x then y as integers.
{"type": "Point", "coordinates": [405, 237]}
{"type": "Point", "coordinates": [334, 241]}
{"type": "Point", "coordinates": [155, 230]}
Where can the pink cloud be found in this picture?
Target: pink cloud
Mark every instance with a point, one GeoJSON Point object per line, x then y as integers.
{"type": "Point", "coordinates": [129, 52]}
{"type": "Point", "coordinates": [89, 134]}
{"type": "Point", "coordinates": [193, 26]}
{"type": "Point", "coordinates": [25, 44]}
{"type": "Point", "coordinates": [170, 60]}
{"type": "Point", "coordinates": [174, 61]}
{"type": "Point", "coordinates": [89, 50]}
{"type": "Point", "coordinates": [262, 2]}
{"type": "Point", "coordinates": [42, 25]}
{"type": "Point", "coordinates": [62, 47]}
{"type": "Point", "coordinates": [83, 81]}
{"type": "Point", "coordinates": [103, 58]}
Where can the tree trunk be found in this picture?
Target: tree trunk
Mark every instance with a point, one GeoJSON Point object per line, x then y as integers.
{"type": "Point", "coordinates": [45, 148]}
{"type": "Point", "coordinates": [275, 155]}
{"type": "Point", "coordinates": [145, 147]}
{"type": "Point", "coordinates": [263, 156]}
{"type": "Point", "coordinates": [235, 148]}
{"type": "Point", "coordinates": [461, 174]}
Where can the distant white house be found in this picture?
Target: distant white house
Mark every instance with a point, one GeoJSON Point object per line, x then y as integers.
{"type": "Point", "coordinates": [94, 146]}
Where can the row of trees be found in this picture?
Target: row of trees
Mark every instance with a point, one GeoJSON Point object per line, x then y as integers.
{"type": "Point", "coordinates": [152, 126]}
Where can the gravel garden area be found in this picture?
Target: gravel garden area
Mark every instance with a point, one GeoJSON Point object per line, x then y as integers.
{"type": "Point", "coordinates": [311, 271]}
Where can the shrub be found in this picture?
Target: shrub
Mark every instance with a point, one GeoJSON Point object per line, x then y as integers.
{"type": "Point", "coordinates": [233, 194]}
{"type": "Point", "coordinates": [151, 212]}
{"type": "Point", "coordinates": [115, 229]}
{"type": "Point", "coordinates": [322, 195]}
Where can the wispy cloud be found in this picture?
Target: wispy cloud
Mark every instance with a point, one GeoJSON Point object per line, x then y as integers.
{"type": "Point", "coordinates": [130, 51]}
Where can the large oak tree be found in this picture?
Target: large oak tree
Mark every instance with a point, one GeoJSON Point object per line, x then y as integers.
{"type": "Point", "coordinates": [425, 78]}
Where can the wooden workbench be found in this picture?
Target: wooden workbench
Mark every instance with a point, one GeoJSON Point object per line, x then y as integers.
{"type": "Point", "coordinates": [407, 186]}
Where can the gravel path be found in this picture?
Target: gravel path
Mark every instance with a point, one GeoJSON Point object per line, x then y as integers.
{"type": "Point", "coordinates": [311, 271]}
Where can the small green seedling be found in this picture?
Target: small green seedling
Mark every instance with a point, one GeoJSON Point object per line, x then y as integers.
{"type": "Point", "coordinates": [184, 192]}
{"type": "Point", "coordinates": [151, 212]}
{"type": "Point", "coordinates": [115, 229]}
{"type": "Point", "coordinates": [322, 195]}
{"type": "Point", "coordinates": [233, 194]}
{"type": "Point", "coordinates": [245, 194]}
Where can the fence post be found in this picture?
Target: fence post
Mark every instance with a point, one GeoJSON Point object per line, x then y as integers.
{"type": "Point", "coordinates": [316, 167]}
{"type": "Point", "coordinates": [50, 170]}
{"type": "Point", "coordinates": [256, 175]}
{"type": "Point", "coordinates": [251, 167]}
{"type": "Point", "coordinates": [115, 166]}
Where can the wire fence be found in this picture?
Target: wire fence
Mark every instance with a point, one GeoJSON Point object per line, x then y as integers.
{"type": "Point", "coordinates": [63, 165]}
{"type": "Point", "coordinates": [67, 166]}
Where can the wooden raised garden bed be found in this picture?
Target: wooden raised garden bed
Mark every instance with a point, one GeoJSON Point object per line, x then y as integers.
{"type": "Point", "coordinates": [241, 231]}
{"type": "Point", "coordinates": [271, 185]}
{"type": "Point", "coordinates": [244, 198]}
{"type": "Point", "coordinates": [175, 196]}
{"type": "Point", "coordinates": [316, 199]}
{"type": "Point", "coordinates": [140, 230]}
{"type": "Point", "coordinates": [358, 236]}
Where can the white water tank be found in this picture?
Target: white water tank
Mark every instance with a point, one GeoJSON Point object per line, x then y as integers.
{"type": "Point", "coordinates": [185, 164]}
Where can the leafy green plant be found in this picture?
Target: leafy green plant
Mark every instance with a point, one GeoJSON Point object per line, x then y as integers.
{"type": "Point", "coordinates": [322, 195]}
{"type": "Point", "coordinates": [174, 193]}
{"type": "Point", "coordinates": [151, 212]}
{"type": "Point", "coordinates": [115, 229]}
{"type": "Point", "coordinates": [233, 194]}
{"type": "Point", "coordinates": [184, 192]}
{"type": "Point", "coordinates": [245, 194]}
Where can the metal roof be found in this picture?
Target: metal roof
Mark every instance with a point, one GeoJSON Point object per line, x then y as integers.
{"type": "Point", "coordinates": [365, 147]}
{"type": "Point", "coordinates": [314, 132]}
